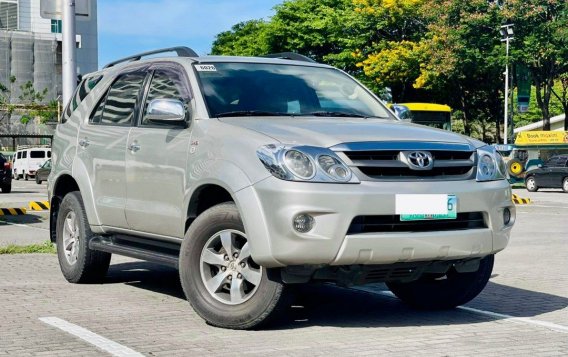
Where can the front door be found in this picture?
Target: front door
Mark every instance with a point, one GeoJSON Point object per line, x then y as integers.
{"type": "Point", "coordinates": [156, 161]}
{"type": "Point", "coordinates": [102, 147]}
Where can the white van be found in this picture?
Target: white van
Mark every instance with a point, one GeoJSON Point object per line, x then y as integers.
{"type": "Point", "coordinates": [27, 161]}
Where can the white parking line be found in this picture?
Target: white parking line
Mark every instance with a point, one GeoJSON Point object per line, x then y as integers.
{"type": "Point", "coordinates": [524, 320]}
{"type": "Point", "coordinates": [104, 344]}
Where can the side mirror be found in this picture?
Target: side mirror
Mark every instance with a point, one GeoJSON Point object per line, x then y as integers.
{"type": "Point", "coordinates": [166, 111]}
{"type": "Point", "coordinates": [539, 166]}
{"type": "Point", "coordinates": [402, 112]}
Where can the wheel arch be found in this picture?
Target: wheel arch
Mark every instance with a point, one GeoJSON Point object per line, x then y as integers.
{"type": "Point", "coordinates": [204, 197]}
{"type": "Point", "coordinates": [63, 185]}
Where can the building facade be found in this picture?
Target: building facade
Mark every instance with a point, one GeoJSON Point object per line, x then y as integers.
{"type": "Point", "coordinates": [30, 46]}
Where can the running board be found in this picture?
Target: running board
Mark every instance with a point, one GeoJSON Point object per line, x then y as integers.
{"type": "Point", "coordinates": [164, 253]}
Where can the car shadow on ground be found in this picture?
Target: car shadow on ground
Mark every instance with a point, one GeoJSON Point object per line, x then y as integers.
{"type": "Point", "coordinates": [24, 219]}
{"type": "Point", "coordinates": [328, 305]}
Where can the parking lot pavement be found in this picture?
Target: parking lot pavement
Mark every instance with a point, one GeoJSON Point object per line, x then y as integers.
{"type": "Point", "coordinates": [31, 228]}
{"type": "Point", "coordinates": [523, 311]}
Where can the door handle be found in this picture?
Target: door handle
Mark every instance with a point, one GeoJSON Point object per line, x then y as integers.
{"type": "Point", "coordinates": [134, 147]}
{"type": "Point", "coordinates": [84, 142]}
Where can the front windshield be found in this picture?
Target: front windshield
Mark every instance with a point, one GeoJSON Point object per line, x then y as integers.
{"type": "Point", "coordinates": [253, 89]}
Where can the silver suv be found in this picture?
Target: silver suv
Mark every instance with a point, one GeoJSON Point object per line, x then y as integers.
{"type": "Point", "coordinates": [251, 175]}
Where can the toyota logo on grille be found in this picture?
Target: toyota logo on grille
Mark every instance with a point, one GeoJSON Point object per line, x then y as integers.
{"type": "Point", "coordinates": [418, 160]}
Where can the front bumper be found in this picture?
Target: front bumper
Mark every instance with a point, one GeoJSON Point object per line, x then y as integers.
{"type": "Point", "coordinates": [269, 206]}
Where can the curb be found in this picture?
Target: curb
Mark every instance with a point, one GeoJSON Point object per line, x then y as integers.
{"type": "Point", "coordinates": [12, 211]}
{"type": "Point", "coordinates": [520, 201]}
{"type": "Point", "coordinates": [38, 205]}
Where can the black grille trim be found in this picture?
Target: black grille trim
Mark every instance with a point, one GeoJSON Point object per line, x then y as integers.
{"type": "Point", "coordinates": [392, 223]}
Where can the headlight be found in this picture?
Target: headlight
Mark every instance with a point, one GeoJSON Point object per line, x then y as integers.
{"type": "Point", "coordinates": [304, 163]}
{"type": "Point", "coordinates": [334, 168]}
{"type": "Point", "coordinates": [490, 165]}
{"type": "Point", "coordinates": [300, 164]}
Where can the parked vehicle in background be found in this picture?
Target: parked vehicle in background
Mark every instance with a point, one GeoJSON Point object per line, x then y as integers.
{"type": "Point", "coordinates": [28, 160]}
{"type": "Point", "coordinates": [251, 174]}
{"type": "Point", "coordinates": [430, 114]}
{"type": "Point", "coordinates": [5, 174]}
{"type": "Point", "coordinates": [43, 172]}
{"type": "Point", "coordinates": [553, 174]}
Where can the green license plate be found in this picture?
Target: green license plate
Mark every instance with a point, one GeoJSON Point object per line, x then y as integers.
{"type": "Point", "coordinates": [452, 212]}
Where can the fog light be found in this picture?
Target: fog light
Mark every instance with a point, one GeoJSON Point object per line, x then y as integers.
{"type": "Point", "coordinates": [303, 223]}
{"type": "Point", "coordinates": [506, 216]}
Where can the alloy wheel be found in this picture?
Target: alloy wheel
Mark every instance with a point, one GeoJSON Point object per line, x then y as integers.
{"type": "Point", "coordinates": [227, 269]}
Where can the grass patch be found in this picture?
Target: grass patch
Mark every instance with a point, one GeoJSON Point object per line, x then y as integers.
{"type": "Point", "coordinates": [44, 248]}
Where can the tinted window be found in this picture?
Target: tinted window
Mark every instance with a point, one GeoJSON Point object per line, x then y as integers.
{"type": "Point", "coordinates": [24, 154]}
{"type": "Point", "coordinates": [49, 154]}
{"type": "Point", "coordinates": [165, 85]}
{"type": "Point", "coordinates": [19, 155]}
{"type": "Point", "coordinates": [120, 102]}
{"type": "Point", "coordinates": [37, 154]}
{"type": "Point", "coordinates": [83, 89]}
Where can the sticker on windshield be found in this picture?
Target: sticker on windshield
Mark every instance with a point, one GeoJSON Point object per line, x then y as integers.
{"type": "Point", "coordinates": [205, 68]}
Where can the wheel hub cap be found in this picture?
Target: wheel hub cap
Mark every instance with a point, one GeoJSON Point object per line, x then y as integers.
{"type": "Point", "coordinates": [71, 238]}
{"type": "Point", "coordinates": [227, 269]}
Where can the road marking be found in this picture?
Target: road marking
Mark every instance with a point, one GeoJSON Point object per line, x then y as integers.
{"type": "Point", "coordinates": [99, 341]}
{"type": "Point", "coordinates": [504, 317]}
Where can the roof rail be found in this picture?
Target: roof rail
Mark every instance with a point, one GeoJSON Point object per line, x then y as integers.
{"type": "Point", "coordinates": [180, 51]}
{"type": "Point", "coordinates": [290, 56]}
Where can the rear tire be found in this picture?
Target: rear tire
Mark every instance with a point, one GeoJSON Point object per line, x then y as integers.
{"type": "Point", "coordinates": [565, 184]}
{"type": "Point", "coordinates": [252, 304]}
{"type": "Point", "coordinates": [16, 176]}
{"type": "Point", "coordinates": [515, 167]}
{"type": "Point", "coordinates": [454, 289]}
{"type": "Point", "coordinates": [530, 184]}
{"type": "Point", "coordinates": [37, 180]}
{"type": "Point", "coordinates": [79, 263]}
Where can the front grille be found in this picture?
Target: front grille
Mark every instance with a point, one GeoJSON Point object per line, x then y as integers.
{"type": "Point", "coordinates": [392, 161]}
{"type": "Point", "coordinates": [392, 223]}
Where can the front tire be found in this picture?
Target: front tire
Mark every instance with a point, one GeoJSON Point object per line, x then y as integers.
{"type": "Point", "coordinates": [78, 263]}
{"type": "Point", "coordinates": [438, 293]}
{"type": "Point", "coordinates": [219, 278]}
{"type": "Point", "coordinates": [530, 184]}
{"type": "Point", "coordinates": [565, 184]}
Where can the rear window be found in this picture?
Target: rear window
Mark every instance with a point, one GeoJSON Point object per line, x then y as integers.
{"type": "Point", "coordinates": [37, 154]}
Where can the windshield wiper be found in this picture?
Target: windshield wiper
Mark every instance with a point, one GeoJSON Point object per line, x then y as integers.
{"type": "Point", "coordinates": [336, 114]}
{"type": "Point", "coordinates": [251, 113]}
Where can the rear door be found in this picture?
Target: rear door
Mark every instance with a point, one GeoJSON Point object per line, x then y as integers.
{"type": "Point", "coordinates": [102, 145]}
{"type": "Point", "coordinates": [558, 172]}
{"type": "Point", "coordinates": [156, 160]}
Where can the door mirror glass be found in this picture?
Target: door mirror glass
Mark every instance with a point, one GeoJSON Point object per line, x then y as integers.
{"type": "Point", "coordinates": [166, 111]}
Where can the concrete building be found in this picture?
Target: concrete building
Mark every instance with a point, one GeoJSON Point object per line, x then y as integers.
{"type": "Point", "coordinates": [30, 46]}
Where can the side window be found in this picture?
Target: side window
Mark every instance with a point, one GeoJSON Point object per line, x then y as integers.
{"type": "Point", "coordinates": [83, 89]}
{"type": "Point", "coordinates": [49, 154]}
{"type": "Point", "coordinates": [19, 155]}
{"type": "Point", "coordinates": [552, 162]}
{"type": "Point", "coordinates": [24, 154]}
{"type": "Point", "coordinates": [166, 84]}
{"type": "Point", "coordinates": [120, 103]}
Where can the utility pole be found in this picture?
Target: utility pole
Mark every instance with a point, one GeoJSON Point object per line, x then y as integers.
{"type": "Point", "coordinates": [507, 35]}
{"type": "Point", "coordinates": [69, 63]}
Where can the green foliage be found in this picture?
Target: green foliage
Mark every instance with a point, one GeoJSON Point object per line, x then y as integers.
{"type": "Point", "coordinates": [43, 248]}
{"type": "Point", "coordinates": [445, 51]}
{"type": "Point", "coordinates": [30, 106]}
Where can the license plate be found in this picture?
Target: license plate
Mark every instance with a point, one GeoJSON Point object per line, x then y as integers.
{"type": "Point", "coordinates": [452, 212]}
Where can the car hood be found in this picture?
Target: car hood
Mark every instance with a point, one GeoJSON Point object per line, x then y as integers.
{"type": "Point", "coordinates": [327, 132]}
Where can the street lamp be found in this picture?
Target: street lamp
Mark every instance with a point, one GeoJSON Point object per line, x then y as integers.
{"type": "Point", "coordinates": [506, 36]}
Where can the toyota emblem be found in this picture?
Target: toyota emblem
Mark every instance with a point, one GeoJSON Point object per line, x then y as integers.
{"type": "Point", "coordinates": [418, 160]}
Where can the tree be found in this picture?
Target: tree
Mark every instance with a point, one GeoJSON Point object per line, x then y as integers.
{"type": "Point", "coordinates": [30, 104]}
{"type": "Point", "coordinates": [6, 106]}
{"type": "Point", "coordinates": [248, 38]}
{"type": "Point", "coordinates": [562, 96]}
{"type": "Point", "coordinates": [541, 42]}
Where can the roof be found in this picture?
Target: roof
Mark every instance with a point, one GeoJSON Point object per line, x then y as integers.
{"type": "Point", "coordinates": [540, 124]}
{"type": "Point", "coordinates": [427, 107]}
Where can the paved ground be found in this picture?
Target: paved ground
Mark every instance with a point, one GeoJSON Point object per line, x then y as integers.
{"type": "Point", "coordinates": [31, 228]}
{"type": "Point", "coordinates": [522, 312]}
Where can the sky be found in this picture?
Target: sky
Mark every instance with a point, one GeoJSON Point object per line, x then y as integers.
{"type": "Point", "coordinates": [128, 27]}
